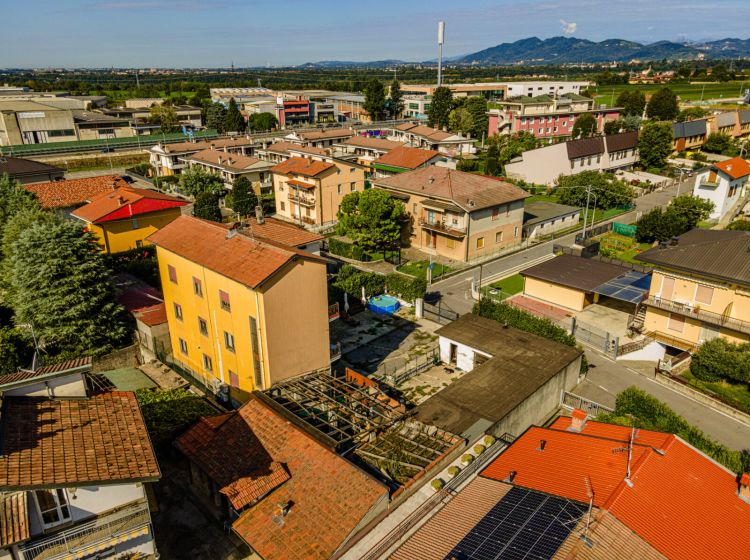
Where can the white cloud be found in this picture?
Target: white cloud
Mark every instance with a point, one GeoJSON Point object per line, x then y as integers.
{"type": "Point", "coordinates": [568, 27]}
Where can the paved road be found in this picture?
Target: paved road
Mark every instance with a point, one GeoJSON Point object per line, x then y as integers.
{"type": "Point", "coordinates": [455, 291]}
{"type": "Point", "coordinates": [606, 378]}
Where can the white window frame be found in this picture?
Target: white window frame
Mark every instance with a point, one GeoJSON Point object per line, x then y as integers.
{"type": "Point", "coordinates": [58, 509]}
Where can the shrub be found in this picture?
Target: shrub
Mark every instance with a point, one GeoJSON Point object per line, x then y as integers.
{"type": "Point", "coordinates": [140, 262]}
{"type": "Point", "coordinates": [718, 359]}
{"type": "Point", "coordinates": [166, 412]}
{"type": "Point", "coordinates": [453, 471]}
{"type": "Point", "coordinates": [142, 169]}
{"type": "Point", "coordinates": [519, 319]}
{"type": "Point", "coordinates": [489, 440]}
{"type": "Point", "coordinates": [344, 249]}
{"type": "Point", "coordinates": [407, 288]}
{"type": "Point", "coordinates": [467, 458]}
{"type": "Point", "coordinates": [437, 484]}
{"type": "Point", "coordinates": [352, 280]}
{"type": "Point", "coordinates": [479, 449]}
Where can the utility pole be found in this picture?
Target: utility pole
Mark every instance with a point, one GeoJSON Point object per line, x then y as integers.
{"type": "Point", "coordinates": [586, 214]}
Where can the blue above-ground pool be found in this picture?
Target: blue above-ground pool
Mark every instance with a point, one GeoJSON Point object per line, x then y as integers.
{"type": "Point", "coordinates": [383, 305]}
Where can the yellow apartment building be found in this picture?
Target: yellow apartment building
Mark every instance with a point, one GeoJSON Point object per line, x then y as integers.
{"type": "Point", "coordinates": [700, 289]}
{"type": "Point", "coordinates": [123, 218]}
{"type": "Point", "coordinates": [242, 313]}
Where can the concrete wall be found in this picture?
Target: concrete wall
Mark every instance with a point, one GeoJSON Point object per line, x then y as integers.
{"type": "Point", "coordinates": [552, 225]}
{"type": "Point", "coordinates": [123, 235]}
{"type": "Point", "coordinates": [541, 166]}
{"type": "Point", "coordinates": [720, 194]}
{"type": "Point", "coordinates": [465, 355]}
{"type": "Point", "coordinates": [555, 294]}
{"type": "Point", "coordinates": [123, 358]}
{"type": "Point", "coordinates": [72, 385]}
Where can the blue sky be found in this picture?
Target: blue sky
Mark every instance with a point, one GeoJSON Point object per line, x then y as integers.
{"type": "Point", "coordinates": [212, 33]}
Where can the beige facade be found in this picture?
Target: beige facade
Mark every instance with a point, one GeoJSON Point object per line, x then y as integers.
{"type": "Point", "coordinates": [560, 296]}
{"type": "Point", "coordinates": [27, 122]}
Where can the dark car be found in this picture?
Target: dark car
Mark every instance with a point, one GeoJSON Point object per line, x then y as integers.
{"type": "Point", "coordinates": [432, 297]}
{"type": "Point", "coordinates": [128, 179]}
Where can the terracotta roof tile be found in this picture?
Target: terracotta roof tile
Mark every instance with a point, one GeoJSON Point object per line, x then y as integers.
{"type": "Point", "coordinates": [736, 167]}
{"type": "Point", "coordinates": [372, 143]}
{"type": "Point", "coordinates": [73, 192]}
{"type": "Point", "coordinates": [331, 133]}
{"type": "Point", "coordinates": [406, 157]}
{"type": "Point", "coordinates": [282, 232]}
{"type": "Point", "coordinates": [125, 202]}
{"type": "Point", "coordinates": [302, 166]}
{"type": "Point", "coordinates": [153, 315]}
{"type": "Point", "coordinates": [52, 443]}
{"type": "Point", "coordinates": [14, 518]}
{"type": "Point", "coordinates": [24, 375]}
{"type": "Point", "coordinates": [219, 158]}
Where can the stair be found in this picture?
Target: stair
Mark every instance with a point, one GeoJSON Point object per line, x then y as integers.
{"type": "Point", "coordinates": [639, 319]}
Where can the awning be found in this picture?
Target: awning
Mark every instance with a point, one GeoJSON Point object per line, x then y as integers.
{"type": "Point", "coordinates": [631, 286]}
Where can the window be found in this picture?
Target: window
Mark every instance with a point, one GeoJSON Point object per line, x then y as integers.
{"type": "Point", "coordinates": [667, 287]}
{"type": "Point", "coordinates": [531, 120]}
{"type": "Point", "coordinates": [234, 380]}
{"type": "Point", "coordinates": [139, 244]}
{"type": "Point", "coordinates": [172, 273]}
{"type": "Point", "coordinates": [450, 243]}
{"type": "Point", "coordinates": [202, 326]}
{"type": "Point", "coordinates": [338, 189]}
{"type": "Point", "coordinates": [676, 323]}
{"type": "Point", "coordinates": [523, 120]}
{"type": "Point", "coordinates": [53, 507]}
{"type": "Point", "coordinates": [178, 311]}
{"type": "Point", "coordinates": [282, 205]}
{"type": "Point", "coordinates": [495, 213]}
{"type": "Point", "coordinates": [61, 132]}
{"type": "Point", "coordinates": [515, 231]}
{"type": "Point", "coordinates": [183, 347]}
{"type": "Point", "coordinates": [704, 294]}
{"type": "Point", "coordinates": [224, 298]}
{"type": "Point", "coordinates": [207, 363]}
{"type": "Point", "coordinates": [351, 170]}
{"type": "Point", "coordinates": [541, 131]}
{"type": "Point", "coordinates": [480, 242]}
{"type": "Point", "coordinates": [352, 187]}
{"type": "Point", "coordinates": [197, 287]}
{"type": "Point", "coordinates": [499, 237]}
{"type": "Point", "coordinates": [414, 208]}
{"type": "Point", "coordinates": [229, 341]}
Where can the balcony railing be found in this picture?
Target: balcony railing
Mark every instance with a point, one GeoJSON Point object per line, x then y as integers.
{"type": "Point", "coordinates": [335, 352]}
{"type": "Point", "coordinates": [443, 227]}
{"type": "Point", "coordinates": [694, 310]}
{"type": "Point", "coordinates": [97, 535]}
{"type": "Point", "coordinates": [302, 200]}
{"type": "Point", "coordinates": [333, 312]}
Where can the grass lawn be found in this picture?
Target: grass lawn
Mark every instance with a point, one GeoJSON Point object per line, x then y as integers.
{"type": "Point", "coordinates": [686, 92]}
{"type": "Point", "coordinates": [419, 269]}
{"type": "Point", "coordinates": [736, 395]}
{"type": "Point", "coordinates": [510, 285]}
{"type": "Point", "coordinates": [541, 198]}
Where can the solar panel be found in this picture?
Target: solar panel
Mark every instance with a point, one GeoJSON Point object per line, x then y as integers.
{"type": "Point", "coordinates": [524, 524]}
{"type": "Point", "coordinates": [630, 286]}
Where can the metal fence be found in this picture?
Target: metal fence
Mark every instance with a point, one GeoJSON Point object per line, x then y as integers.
{"type": "Point", "coordinates": [396, 375]}
{"type": "Point", "coordinates": [588, 334]}
{"type": "Point", "coordinates": [592, 408]}
{"type": "Point", "coordinates": [439, 313]}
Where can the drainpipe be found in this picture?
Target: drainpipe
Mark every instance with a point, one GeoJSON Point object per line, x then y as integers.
{"type": "Point", "coordinates": [260, 345]}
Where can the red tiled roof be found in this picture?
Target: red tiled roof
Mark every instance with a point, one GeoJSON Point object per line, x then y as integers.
{"type": "Point", "coordinates": [14, 518]}
{"type": "Point", "coordinates": [302, 166]}
{"type": "Point", "coordinates": [325, 134]}
{"type": "Point", "coordinates": [669, 478]}
{"type": "Point", "coordinates": [257, 446]}
{"type": "Point", "coordinates": [282, 232]}
{"type": "Point", "coordinates": [406, 157]}
{"type": "Point", "coordinates": [126, 202]}
{"type": "Point", "coordinates": [372, 142]}
{"type": "Point", "coordinates": [153, 315]}
{"type": "Point", "coordinates": [45, 370]}
{"type": "Point", "coordinates": [240, 258]}
{"type": "Point", "coordinates": [55, 443]}
{"type": "Point", "coordinates": [73, 192]}
{"type": "Point", "coordinates": [735, 167]}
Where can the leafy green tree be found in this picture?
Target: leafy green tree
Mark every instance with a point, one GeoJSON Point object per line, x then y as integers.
{"type": "Point", "coordinates": [197, 180]}
{"type": "Point", "coordinates": [740, 225]}
{"type": "Point", "coordinates": [244, 199]}
{"type": "Point", "coordinates": [585, 126]}
{"type": "Point", "coordinates": [206, 206]}
{"type": "Point", "coordinates": [165, 116]}
{"type": "Point", "coordinates": [690, 114]}
{"type": "Point", "coordinates": [233, 120]}
{"type": "Point", "coordinates": [16, 350]}
{"type": "Point", "coordinates": [260, 122]}
{"type": "Point", "coordinates": [460, 120]}
{"type": "Point", "coordinates": [372, 218]}
{"type": "Point", "coordinates": [62, 287]}
{"type": "Point", "coordinates": [609, 191]}
{"type": "Point", "coordinates": [632, 102]}
{"type": "Point", "coordinates": [13, 198]}
{"type": "Point", "coordinates": [684, 71]}
{"type": "Point", "coordinates": [655, 144]}
{"type": "Point", "coordinates": [396, 99]}
{"type": "Point", "coordinates": [375, 99]}
{"type": "Point", "coordinates": [663, 105]}
{"type": "Point", "coordinates": [631, 123]}
{"type": "Point", "coordinates": [719, 359]}
{"type": "Point", "coordinates": [477, 108]}
{"type": "Point", "coordinates": [512, 146]}
{"type": "Point", "coordinates": [690, 210]}
{"type": "Point", "coordinates": [441, 105]}
{"type": "Point", "coordinates": [20, 222]}
{"type": "Point", "coordinates": [216, 117]}
{"type": "Point", "coordinates": [720, 72]}
{"type": "Point", "coordinates": [681, 216]}
{"type": "Point", "coordinates": [492, 163]}
{"type": "Point", "coordinates": [717, 143]}
{"type": "Point", "coordinates": [612, 127]}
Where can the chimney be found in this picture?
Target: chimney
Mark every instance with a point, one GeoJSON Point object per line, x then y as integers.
{"type": "Point", "coordinates": [219, 160]}
{"type": "Point", "coordinates": [120, 200]}
{"type": "Point", "coordinates": [431, 179]}
{"type": "Point", "coordinates": [542, 445]}
{"type": "Point", "coordinates": [282, 508]}
{"type": "Point", "coordinates": [259, 217]}
{"type": "Point", "coordinates": [511, 477]}
{"type": "Point", "coordinates": [578, 420]}
{"type": "Point", "coordinates": [744, 489]}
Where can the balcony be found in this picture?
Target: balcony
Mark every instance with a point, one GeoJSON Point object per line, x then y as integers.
{"type": "Point", "coordinates": [333, 312]}
{"type": "Point", "coordinates": [694, 311]}
{"type": "Point", "coordinates": [443, 227]}
{"type": "Point", "coordinates": [335, 352]}
{"type": "Point", "coordinates": [98, 535]}
{"type": "Point", "coordinates": [302, 200]}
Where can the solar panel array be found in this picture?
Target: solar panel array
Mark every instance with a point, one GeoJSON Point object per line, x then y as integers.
{"type": "Point", "coordinates": [631, 287]}
{"type": "Point", "coordinates": [523, 525]}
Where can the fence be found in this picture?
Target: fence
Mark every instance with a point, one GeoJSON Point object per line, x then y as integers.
{"type": "Point", "coordinates": [439, 313]}
{"type": "Point", "coordinates": [396, 375]}
{"type": "Point", "coordinates": [588, 334]}
{"type": "Point", "coordinates": [571, 401]}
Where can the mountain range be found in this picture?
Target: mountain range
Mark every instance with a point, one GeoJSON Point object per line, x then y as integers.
{"type": "Point", "coordinates": [568, 50]}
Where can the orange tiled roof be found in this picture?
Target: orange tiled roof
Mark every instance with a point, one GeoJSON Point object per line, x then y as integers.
{"type": "Point", "coordinates": [223, 159]}
{"type": "Point", "coordinates": [257, 446]}
{"type": "Point", "coordinates": [735, 167]}
{"type": "Point", "coordinates": [24, 375]}
{"type": "Point", "coordinates": [406, 157]}
{"type": "Point", "coordinates": [372, 143]}
{"type": "Point", "coordinates": [240, 258]}
{"type": "Point", "coordinates": [73, 192]}
{"type": "Point", "coordinates": [14, 518]}
{"type": "Point", "coordinates": [282, 232]}
{"type": "Point", "coordinates": [52, 443]}
{"type": "Point", "coordinates": [325, 134]}
{"type": "Point", "coordinates": [152, 315]}
{"type": "Point", "coordinates": [104, 204]}
{"type": "Point", "coordinates": [302, 166]}
{"type": "Point", "coordinates": [669, 478]}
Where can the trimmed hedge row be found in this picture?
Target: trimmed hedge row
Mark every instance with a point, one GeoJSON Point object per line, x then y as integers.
{"type": "Point", "coordinates": [344, 249]}
{"type": "Point", "coordinates": [352, 280]}
{"type": "Point", "coordinates": [406, 287]}
{"type": "Point", "coordinates": [719, 359]}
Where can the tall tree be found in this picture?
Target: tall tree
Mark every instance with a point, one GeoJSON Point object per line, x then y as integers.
{"type": "Point", "coordinates": [612, 127]}
{"type": "Point", "coordinates": [13, 198]}
{"type": "Point", "coordinates": [663, 105]}
{"type": "Point", "coordinates": [682, 215]}
{"type": "Point", "coordinates": [396, 99]}
{"type": "Point", "coordinates": [372, 218]}
{"type": "Point", "coordinates": [375, 99]}
{"type": "Point", "coordinates": [243, 200]}
{"type": "Point", "coordinates": [16, 350]}
{"type": "Point", "coordinates": [197, 180]}
{"type": "Point", "coordinates": [492, 165]}
{"type": "Point", "coordinates": [206, 206]}
{"type": "Point", "coordinates": [717, 143]}
{"type": "Point", "coordinates": [690, 114]}
{"type": "Point", "coordinates": [233, 120]}
{"type": "Point", "coordinates": [215, 117]}
{"type": "Point", "coordinates": [62, 287]}
{"type": "Point", "coordinates": [610, 192]}
{"type": "Point", "coordinates": [460, 120]}
{"type": "Point", "coordinates": [585, 126]}
{"type": "Point", "coordinates": [632, 103]}
{"type": "Point", "coordinates": [165, 116]}
{"type": "Point", "coordinates": [441, 105]}
{"type": "Point", "coordinates": [261, 122]}
{"type": "Point", "coordinates": [477, 108]}
{"type": "Point", "coordinates": [655, 144]}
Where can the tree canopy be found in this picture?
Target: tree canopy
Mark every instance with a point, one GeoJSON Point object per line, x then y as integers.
{"type": "Point", "coordinates": [165, 116]}
{"type": "Point", "coordinates": [441, 106]}
{"type": "Point", "coordinates": [585, 126]}
{"type": "Point", "coordinates": [243, 198]}
{"type": "Point", "coordinates": [655, 144]}
{"type": "Point", "coordinates": [717, 143]}
{"type": "Point", "coordinates": [689, 114]}
{"type": "Point", "coordinates": [215, 117]}
{"type": "Point", "coordinates": [233, 120]}
{"type": "Point", "coordinates": [260, 122]}
{"type": "Point", "coordinates": [663, 105]}
{"type": "Point", "coordinates": [682, 215]}
{"type": "Point", "coordinates": [477, 108]}
{"type": "Point", "coordinates": [372, 218]}
{"type": "Point", "coordinates": [206, 206]}
{"type": "Point", "coordinates": [396, 99]}
{"type": "Point", "coordinates": [607, 191]}
{"type": "Point", "coordinates": [13, 198]}
{"type": "Point", "coordinates": [197, 180]}
{"type": "Point", "coordinates": [632, 103]}
{"type": "Point", "coordinates": [512, 146]}
{"type": "Point", "coordinates": [375, 99]}
{"type": "Point", "coordinates": [460, 120]}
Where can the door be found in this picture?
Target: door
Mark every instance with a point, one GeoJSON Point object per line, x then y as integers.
{"type": "Point", "coordinates": [453, 354]}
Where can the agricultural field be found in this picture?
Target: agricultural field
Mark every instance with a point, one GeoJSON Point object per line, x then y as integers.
{"type": "Point", "coordinates": [607, 95]}
{"type": "Point", "coordinates": [621, 247]}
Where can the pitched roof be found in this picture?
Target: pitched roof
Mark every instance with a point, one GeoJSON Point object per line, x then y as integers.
{"type": "Point", "coordinates": [260, 459]}
{"type": "Point", "coordinates": [328, 134]}
{"type": "Point", "coordinates": [14, 518]}
{"type": "Point", "coordinates": [584, 147]}
{"type": "Point", "coordinates": [720, 254]}
{"type": "Point", "coordinates": [19, 167]}
{"type": "Point", "coordinates": [57, 443]}
{"type": "Point", "coordinates": [575, 272]}
{"type": "Point", "coordinates": [541, 211]}
{"type": "Point", "coordinates": [726, 119]}
{"type": "Point", "coordinates": [622, 141]}
{"type": "Point", "coordinates": [469, 191]}
{"type": "Point", "coordinates": [184, 147]}
{"type": "Point", "coordinates": [689, 128]}
{"type": "Point", "coordinates": [282, 232]}
{"type": "Point", "coordinates": [371, 142]}
{"type": "Point", "coordinates": [124, 203]}
{"type": "Point", "coordinates": [73, 192]}
{"type": "Point", "coordinates": [745, 116]}
{"type": "Point", "coordinates": [406, 157]}
{"type": "Point", "coordinates": [302, 166]}
{"type": "Point", "coordinates": [669, 477]}
{"type": "Point", "coordinates": [434, 134]}
{"type": "Point", "coordinates": [220, 158]}
{"type": "Point", "coordinates": [152, 315]}
{"type": "Point", "coordinates": [735, 167]}
{"type": "Point", "coordinates": [240, 258]}
{"type": "Point", "coordinates": [58, 368]}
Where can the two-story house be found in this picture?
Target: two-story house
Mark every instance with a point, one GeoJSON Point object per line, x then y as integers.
{"type": "Point", "coordinates": [73, 469]}
{"type": "Point", "coordinates": [367, 148]}
{"type": "Point", "coordinates": [243, 312]}
{"type": "Point", "coordinates": [422, 136]}
{"type": "Point", "coordinates": [123, 218]}
{"type": "Point", "coordinates": [282, 151]}
{"type": "Point", "coordinates": [166, 159]}
{"type": "Point", "coordinates": [700, 289]}
{"type": "Point", "coordinates": [310, 190]}
{"type": "Point", "coordinates": [458, 215]}
{"type": "Point", "coordinates": [689, 135]}
{"type": "Point", "coordinates": [722, 183]}
{"type": "Point", "coordinates": [230, 167]}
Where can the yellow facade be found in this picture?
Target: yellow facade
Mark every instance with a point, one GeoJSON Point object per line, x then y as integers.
{"type": "Point", "coordinates": [123, 235]}
{"type": "Point", "coordinates": [278, 331]}
{"type": "Point", "coordinates": [555, 294]}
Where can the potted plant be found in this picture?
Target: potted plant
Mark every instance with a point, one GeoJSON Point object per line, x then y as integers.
{"type": "Point", "coordinates": [454, 470]}
{"type": "Point", "coordinates": [467, 458]}
{"type": "Point", "coordinates": [437, 484]}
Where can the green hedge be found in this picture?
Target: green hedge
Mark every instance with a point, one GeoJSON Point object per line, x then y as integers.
{"type": "Point", "coordinates": [166, 412]}
{"type": "Point", "coordinates": [344, 249]}
{"type": "Point", "coordinates": [635, 407]}
{"type": "Point", "coordinates": [718, 359]}
{"type": "Point", "coordinates": [351, 280]}
{"type": "Point", "coordinates": [407, 288]}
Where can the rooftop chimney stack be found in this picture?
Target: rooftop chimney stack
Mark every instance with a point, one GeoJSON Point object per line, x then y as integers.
{"type": "Point", "coordinates": [744, 489]}
{"type": "Point", "coordinates": [578, 420]}
{"type": "Point", "coordinates": [542, 444]}
{"type": "Point", "coordinates": [511, 477]}
{"type": "Point", "coordinates": [259, 217]}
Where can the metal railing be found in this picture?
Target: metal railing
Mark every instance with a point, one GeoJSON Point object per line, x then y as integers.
{"type": "Point", "coordinates": [694, 310]}
{"type": "Point", "coordinates": [443, 227]}
{"type": "Point", "coordinates": [88, 535]}
{"type": "Point", "coordinates": [303, 200]}
{"type": "Point", "coordinates": [592, 408]}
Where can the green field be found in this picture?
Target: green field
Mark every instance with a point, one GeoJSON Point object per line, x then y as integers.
{"type": "Point", "coordinates": [607, 95]}
{"type": "Point", "coordinates": [736, 395]}
{"type": "Point", "coordinates": [510, 285]}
